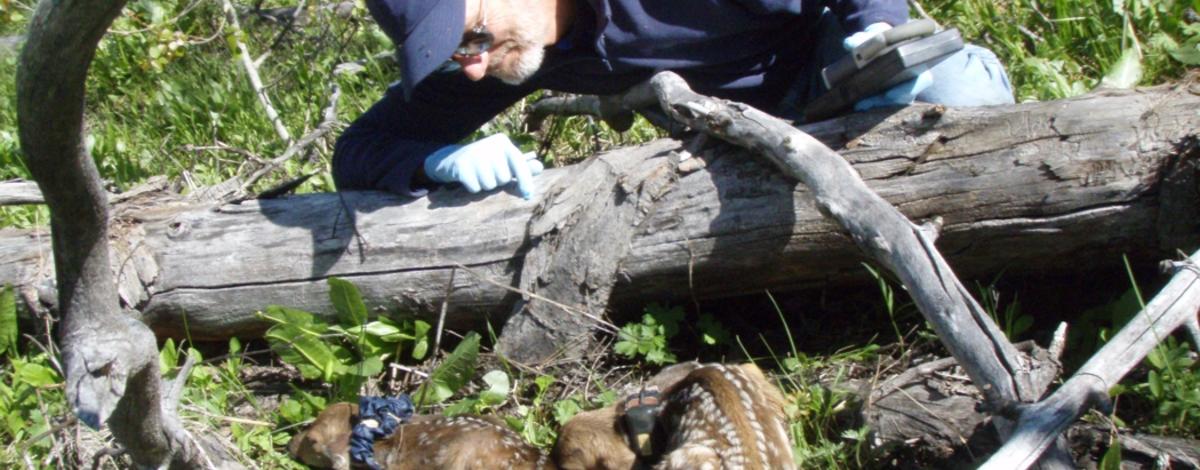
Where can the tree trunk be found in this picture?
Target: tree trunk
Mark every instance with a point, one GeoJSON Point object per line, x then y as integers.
{"type": "Point", "coordinates": [109, 359]}
{"type": "Point", "coordinates": [1055, 185]}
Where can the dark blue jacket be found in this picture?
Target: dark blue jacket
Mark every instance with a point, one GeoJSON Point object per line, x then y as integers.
{"type": "Point", "coordinates": [744, 50]}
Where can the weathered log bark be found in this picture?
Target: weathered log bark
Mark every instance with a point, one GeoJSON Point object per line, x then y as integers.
{"type": "Point", "coordinates": [1029, 187]}
{"type": "Point", "coordinates": [17, 192]}
{"type": "Point", "coordinates": [928, 414]}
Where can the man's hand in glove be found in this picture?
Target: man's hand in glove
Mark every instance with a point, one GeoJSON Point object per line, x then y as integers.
{"type": "Point", "coordinates": [484, 165]}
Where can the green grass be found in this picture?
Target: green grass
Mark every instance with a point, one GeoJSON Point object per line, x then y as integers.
{"type": "Point", "coordinates": [1061, 48]}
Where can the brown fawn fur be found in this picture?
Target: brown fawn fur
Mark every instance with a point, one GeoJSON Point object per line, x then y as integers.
{"type": "Point", "coordinates": [425, 442]}
{"type": "Point", "coordinates": [715, 416]}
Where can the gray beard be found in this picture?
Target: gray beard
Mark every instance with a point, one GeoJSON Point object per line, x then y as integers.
{"type": "Point", "coordinates": [528, 48]}
{"type": "Point", "coordinates": [529, 60]}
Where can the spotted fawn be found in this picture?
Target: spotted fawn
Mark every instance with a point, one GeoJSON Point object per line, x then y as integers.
{"type": "Point", "coordinates": [714, 417]}
{"type": "Point", "coordinates": [709, 416]}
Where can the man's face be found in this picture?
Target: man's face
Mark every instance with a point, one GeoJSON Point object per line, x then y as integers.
{"type": "Point", "coordinates": [516, 52]}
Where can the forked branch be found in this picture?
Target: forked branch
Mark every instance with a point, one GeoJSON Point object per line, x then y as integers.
{"type": "Point", "coordinates": [874, 225]}
{"type": "Point", "coordinates": [1000, 372]}
{"type": "Point", "coordinates": [1039, 424]}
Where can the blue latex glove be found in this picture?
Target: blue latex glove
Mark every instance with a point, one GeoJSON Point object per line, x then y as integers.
{"type": "Point", "coordinates": [902, 94]}
{"type": "Point", "coordinates": [485, 165]}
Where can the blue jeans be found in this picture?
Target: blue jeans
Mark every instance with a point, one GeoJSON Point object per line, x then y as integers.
{"type": "Point", "coordinates": [972, 76]}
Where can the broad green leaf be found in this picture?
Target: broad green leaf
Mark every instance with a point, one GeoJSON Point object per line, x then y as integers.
{"type": "Point", "coordinates": [625, 348]}
{"type": "Point", "coordinates": [8, 321]}
{"type": "Point", "coordinates": [36, 375]}
{"type": "Point", "coordinates": [375, 346]}
{"type": "Point", "coordinates": [421, 337]}
{"type": "Point", "coordinates": [383, 329]}
{"type": "Point", "coordinates": [498, 388]}
{"type": "Point", "coordinates": [543, 383]}
{"type": "Point", "coordinates": [299, 349]}
{"type": "Point", "coordinates": [297, 318]}
{"type": "Point", "coordinates": [312, 401]}
{"type": "Point", "coordinates": [291, 410]}
{"type": "Point", "coordinates": [1112, 457]}
{"type": "Point", "coordinates": [420, 348]}
{"type": "Point", "coordinates": [461, 407]}
{"type": "Point", "coordinates": [1188, 54]}
{"type": "Point", "coordinates": [452, 375]}
{"type": "Point", "coordinates": [168, 356]}
{"type": "Point", "coordinates": [347, 301]}
{"type": "Point", "coordinates": [369, 367]}
{"type": "Point", "coordinates": [1158, 358]}
{"type": "Point", "coordinates": [421, 328]}
{"type": "Point", "coordinates": [1154, 380]}
{"type": "Point", "coordinates": [16, 424]}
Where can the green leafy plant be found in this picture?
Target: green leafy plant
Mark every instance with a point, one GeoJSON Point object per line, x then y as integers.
{"type": "Point", "coordinates": [1172, 386]}
{"type": "Point", "coordinates": [495, 393]}
{"type": "Point", "coordinates": [453, 374]}
{"type": "Point", "coordinates": [31, 400]}
{"type": "Point", "coordinates": [1009, 318]}
{"type": "Point", "coordinates": [649, 338]}
{"type": "Point", "coordinates": [348, 353]}
{"type": "Point", "coordinates": [539, 420]}
{"type": "Point", "coordinates": [300, 407]}
{"type": "Point", "coordinates": [712, 332]}
{"type": "Point", "coordinates": [8, 321]}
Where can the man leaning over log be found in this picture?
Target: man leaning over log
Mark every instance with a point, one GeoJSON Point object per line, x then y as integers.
{"type": "Point", "coordinates": [462, 62]}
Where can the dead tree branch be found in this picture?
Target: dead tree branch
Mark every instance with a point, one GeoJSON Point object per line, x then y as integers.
{"type": "Point", "coordinates": [1039, 424]}
{"type": "Point", "coordinates": [251, 67]}
{"type": "Point", "coordinates": [328, 121]}
{"type": "Point", "coordinates": [110, 359]}
{"type": "Point", "coordinates": [876, 227]}
{"type": "Point", "coordinates": [1000, 372]}
{"type": "Point", "coordinates": [606, 108]}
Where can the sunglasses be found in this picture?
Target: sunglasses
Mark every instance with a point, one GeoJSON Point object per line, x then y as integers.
{"type": "Point", "coordinates": [478, 40]}
{"type": "Point", "coordinates": [474, 42]}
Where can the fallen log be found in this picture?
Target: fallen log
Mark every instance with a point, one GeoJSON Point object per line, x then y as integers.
{"type": "Point", "coordinates": [1028, 187]}
{"type": "Point", "coordinates": [17, 192]}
